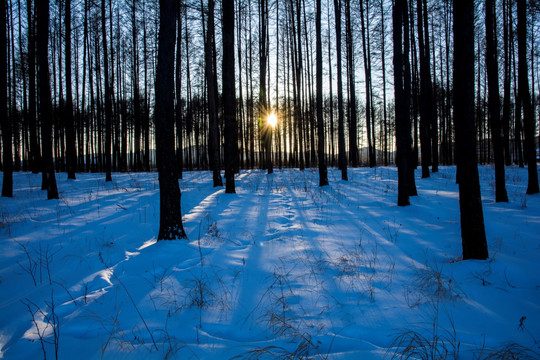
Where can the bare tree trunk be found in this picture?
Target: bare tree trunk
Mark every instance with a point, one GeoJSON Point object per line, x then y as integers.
{"type": "Point", "coordinates": [212, 101]}
{"type": "Point", "coordinates": [341, 126]}
{"type": "Point", "coordinates": [506, 82]}
{"type": "Point", "coordinates": [265, 131]}
{"type": "Point", "coordinates": [178, 84]}
{"type": "Point", "coordinates": [108, 105]}
{"type": "Point", "coordinates": [7, 159]}
{"type": "Point", "coordinates": [229, 96]}
{"type": "Point", "coordinates": [35, 153]}
{"type": "Point", "coordinates": [402, 90]}
{"type": "Point", "coordinates": [170, 215]}
{"type": "Point", "coordinates": [528, 118]}
{"type": "Point", "coordinates": [42, 11]}
{"type": "Point", "coordinates": [425, 92]}
{"type": "Point", "coordinates": [323, 173]}
{"type": "Point", "coordinates": [494, 101]}
{"type": "Point", "coordinates": [472, 219]}
{"type": "Point", "coordinates": [353, 121]}
{"type": "Point", "coordinates": [71, 154]}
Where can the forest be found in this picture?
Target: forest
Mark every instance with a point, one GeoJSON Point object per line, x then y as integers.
{"type": "Point", "coordinates": [102, 59]}
{"type": "Point", "coordinates": [274, 139]}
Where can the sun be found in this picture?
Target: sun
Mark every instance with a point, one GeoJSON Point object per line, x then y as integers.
{"type": "Point", "coordinates": [272, 119]}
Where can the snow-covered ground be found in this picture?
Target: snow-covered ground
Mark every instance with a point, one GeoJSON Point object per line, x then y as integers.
{"type": "Point", "coordinates": [282, 269]}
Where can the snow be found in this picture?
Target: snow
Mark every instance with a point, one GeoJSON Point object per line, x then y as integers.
{"type": "Point", "coordinates": [282, 269]}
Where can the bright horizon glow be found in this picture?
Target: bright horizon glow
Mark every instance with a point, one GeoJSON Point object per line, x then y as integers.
{"type": "Point", "coordinates": [272, 119]}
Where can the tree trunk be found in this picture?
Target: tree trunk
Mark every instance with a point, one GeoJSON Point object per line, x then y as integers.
{"type": "Point", "coordinates": [178, 92]}
{"type": "Point", "coordinates": [265, 131]}
{"type": "Point", "coordinates": [71, 155]}
{"type": "Point", "coordinates": [170, 216]}
{"type": "Point", "coordinates": [523, 83]}
{"type": "Point", "coordinates": [402, 91]}
{"type": "Point", "coordinates": [212, 101]}
{"type": "Point", "coordinates": [323, 173]}
{"type": "Point", "coordinates": [35, 153]}
{"type": "Point", "coordinates": [425, 92]}
{"type": "Point", "coordinates": [7, 185]}
{"type": "Point", "coordinates": [341, 126]}
{"type": "Point", "coordinates": [42, 10]}
{"type": "Point", "coordinates": [472, 219]}
{"type": "Point", "coordinates": [108, 105]}
{"type": "Point", "coordinates": [353, 122]}
{"type": "Point", "coordinates": [229, 96]}
{"type": "Point", "coordinates": [507, 83]}
{"type": "Point", "coordinates": [494, 101]}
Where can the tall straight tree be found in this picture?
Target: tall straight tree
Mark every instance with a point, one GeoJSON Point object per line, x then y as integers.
{"type": "Point", "coordinates": [264, 130]}
{"type": "Point", "coordinates": [323, 173]}
{"type": "Point", "coordinates": [473, 233]}
{"type": "Point", "coordinates": [35, 153]}
{"type": "Point", "coordinates": [426, 103]}
{"type": "Point", "coordinates": [7, 185]}
{"type": "Point", "coordinates": [170, 215]}
{"type": "Point", "coordinates": [402, 91]}
{"type": "Point", "coordinates": [108, 97]}
{"type": "Point", "coordinates": [178, 92]}
{"type": "Point", "coordinates": [494, 101]}
{"type": "Point", "coordinates": [210, 69]}
{"type": "Point", "coordinates": [506, 85]}
{"type": "Point", "coordinates": [353, 126]}
{"type": "Point", "coordinates": [370, 126]}
{"type": "Point", "coordinates": [229, 96]}
{"type": "Point", "coordinates": [525, 96]}
{"type": "Point", "coordinates": [342, 162]}
{"type": "Point", "coordinates": [71, 155]}
{"type": "Point", "coordinates": [42, 12]}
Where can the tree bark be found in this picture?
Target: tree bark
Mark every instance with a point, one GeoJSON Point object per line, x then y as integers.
{"type": "Point", "coordinates": [494, 101]}
{"type": "Point", "coordinates": [170, 217]}
{"type": "Point", "coordinates": [42, 10]}
{"type": "Point", "coordinates": [402, 91]}
{"type": "Point", "coordinates": [341, 126]}
{"type": "Point", "coordinates": [212, 100]}
{"type": "Point", "coordinates": [178, 92]}
{"type": "Point", "coordinates": [229, 96]}
{"type": "Point", "coordinates": [472, 219]}
{"type": "Point", "coordinates": [323, 172]}
{"type": "Point", "coordinates": [425, 92]}
{"type": "Point", "coordinates": [108, 105]}
{"type": "Point", "coordinates": [7, 159]}
{"type": "Point", "coordinates": [71, 155]}
{"type": "Point", "coordinates": [523, 84]}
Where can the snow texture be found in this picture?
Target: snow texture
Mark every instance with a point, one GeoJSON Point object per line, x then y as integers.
{"type": "Point", "coordinates": [282, 269]}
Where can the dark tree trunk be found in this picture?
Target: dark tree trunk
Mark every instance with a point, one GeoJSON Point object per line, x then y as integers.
{"type": "Point", "coordinates": [265, 130]}
{"type": "Point", "coordinates": [213, 142]}
{"type": "Point", "coordinates": [170, 216]}
{"type": "Point", "coordinates": [35, 153]}
{"type": "Point", "coordinates": [71, 155]}
{"type": "Point", "coordinates": [341, 126]}
{"type": "Point", "coordinates": [383, 66]}
{"type": "Point", "coordinates": [7, 159]}
{"type": "Point", "coordinates": [229, 96]}
{"type": "Point", "coordinates": [42, 10]}
{"type": "Point", "coordinates": [507, 83]}
{"type": "Point", "coordinates": [353, 122]}
{"type": "Point", "coordinates": [523, 86]}
{"type": "Point", "coordinates": [108, 105]}
{"type": "Point", "coordinates": [494, 101]}
{"type": "Point", "coordinates": [425, 92]}
{"type": "Point", "coordinates": [472, 219]}
{"type": "Point", "coordinates": [402, 91]}
{"type": "Point", "coordinates": [323, 173]}
{"type": "Point", "coordinates": [369, 105]}
{"type": "Point", "coordinates": [178, 84]}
